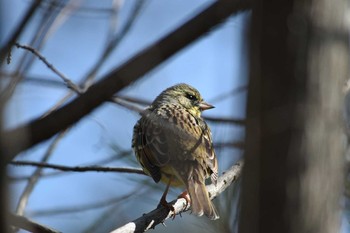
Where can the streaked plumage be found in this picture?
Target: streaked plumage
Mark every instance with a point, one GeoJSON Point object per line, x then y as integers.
{"type": "Point", "coordinates": [172, 140]}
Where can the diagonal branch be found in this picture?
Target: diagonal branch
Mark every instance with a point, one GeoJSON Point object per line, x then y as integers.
{"type": "Point", "coordinates": [32, 133]}
{"type": "Point", "coordinates": [30, 226]}
{"type": "Point", "coordinates": [68, 82]}
{"type": "Point", "coordinates": [159, 215]}
{"type": "Point", "coordinates": [34, 178]}
{"type": "Point", "coordinates": [7, 47]}
{"type": "Point", "coordinates": [114, 42]}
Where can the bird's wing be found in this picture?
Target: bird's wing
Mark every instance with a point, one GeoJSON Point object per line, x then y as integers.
{"type": "Point", "coordinates": [150, 144]}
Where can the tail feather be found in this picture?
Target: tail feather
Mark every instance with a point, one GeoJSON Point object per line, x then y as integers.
{"type": "Point", "coordinates": [200, 201]}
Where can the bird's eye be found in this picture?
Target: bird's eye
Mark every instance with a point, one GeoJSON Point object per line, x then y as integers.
{"type": "Point", "coordinates": [191, 97]}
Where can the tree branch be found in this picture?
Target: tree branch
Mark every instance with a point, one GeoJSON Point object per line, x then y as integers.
{"type": "Point", "coordinates": [79, 168]}
{"type": "Point", "coordinates": [68, 82]}
{"type": "Point", "coordinates": [159, 215]}
{"type": "Point", "coordinates": [32, 133]}
{"type": "Point", "coordinates": [7, 47]}
{"type": "Point", "coordinates": [23, 200]}
{"type": "Point", "coordinates": [114, 42]}
{"type": "Point", "coordinates": [26, 224]}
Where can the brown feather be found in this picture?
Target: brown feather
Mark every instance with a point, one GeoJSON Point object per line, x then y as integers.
{"type": "Point", "coordinates": [172, 140]}
{"type": "Point", "coordinates": [200, 201]}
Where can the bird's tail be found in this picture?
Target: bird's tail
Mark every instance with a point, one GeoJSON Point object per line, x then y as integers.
{"type": "Point", "coordinates": [200, 201]}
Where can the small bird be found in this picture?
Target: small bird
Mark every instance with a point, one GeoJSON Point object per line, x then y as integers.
{"type": "Point", "coordinates": [173, 144]}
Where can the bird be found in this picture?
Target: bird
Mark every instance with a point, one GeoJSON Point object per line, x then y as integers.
{"type": "Point", "coordinates": [173, 144]}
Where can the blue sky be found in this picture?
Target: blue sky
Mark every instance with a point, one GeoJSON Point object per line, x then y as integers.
{"type": "Point", "coordinates": [215, 65]}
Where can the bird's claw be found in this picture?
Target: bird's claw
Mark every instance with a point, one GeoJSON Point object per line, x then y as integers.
{"type": "Point", "coordinates": [167, 206]}
{"type": "Point", "coordinates": [185, 196]}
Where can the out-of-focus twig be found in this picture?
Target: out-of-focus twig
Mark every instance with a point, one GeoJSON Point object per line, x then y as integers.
{"type": "Point", "coordinates": [7, 45]}
{"type": "Point", "coordinates": [61, 173]}
{"type": "Point", "coordinates": [29, 225]}
{"type": "Point", "coordinates": [113, 43]}
{"type": "Point", "coordinates": [23, 200]}
{"type": "Point", "coordinates": [79, 168]}
{"type": "Point", "coordinates": [129, 103]}
{"type": "Point", "coordinates": [126, 104]}
{"type": "Point", "coordinates": [68, 82]}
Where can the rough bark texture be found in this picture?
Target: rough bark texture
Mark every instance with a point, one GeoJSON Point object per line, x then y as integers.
{"type": "Point", "coordinates": [294, 156]}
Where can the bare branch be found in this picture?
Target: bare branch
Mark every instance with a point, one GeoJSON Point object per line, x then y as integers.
{"type": "Point", "coordinates": [42, 129]}
{"type": "Point", "coordinates": [133, 100]}
{"type": "Point", "coordinates": [129, 103]}
{"type": "Point", "coordinates": [23, 200]}
{"type": "Point", "coordinates": [60, 173]}
{"type": "Point", "coordinates": [159, 215]}
{"type": "Point", "coordinates": [68, 82]}
{"type": "Point", "coordinates": [7, 47]}
{"type": "Point", "coordinates": [79, 168]}
{"type": "Point", "coordinates": [114, 42]}
{"type": "Point", "coordinates": [26, 224]}
{"type": "Point", "coordinates": [48, 23]}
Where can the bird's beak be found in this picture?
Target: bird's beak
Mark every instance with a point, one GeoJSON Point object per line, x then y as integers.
{"type": "Point", "coordinates": [205, 106]}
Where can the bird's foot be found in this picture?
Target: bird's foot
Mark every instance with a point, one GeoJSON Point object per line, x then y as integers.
{"type": "Point", "coordinates": [185, 196]}
{"type": "Point", "coordinates": [167, 206]}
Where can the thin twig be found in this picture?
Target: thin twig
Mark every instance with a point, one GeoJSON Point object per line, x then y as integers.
{"type": "Point", "coordinates": [7, 47]}
{"type": "Point", "coordinates": [57, 173]}
{"type": "Point", "coordinates": [23, 200]}
{"type": "Point", "coordinates": [79, 168]}
{"type": "Point", "coordinates": [129, 103]}
{"type": "Point", "coordinates": [113, 43]}
{"type": "Point", "coordinates": [113, 19]}
{"type": "Point", "coordinates": [40, 34]}
{"type": "Point", "coordinates": [68, 82]}
{"type": "Point", "coordinates": [133, 100]}
{"type": "Point", "coordinates": [160, 214]}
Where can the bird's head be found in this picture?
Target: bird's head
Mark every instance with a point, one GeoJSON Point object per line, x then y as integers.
{"type": "Point", "coordinates": [186, 96]}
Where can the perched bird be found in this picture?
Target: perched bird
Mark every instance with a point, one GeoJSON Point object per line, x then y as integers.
{"type": "Point", "coordinates": [173, 144]}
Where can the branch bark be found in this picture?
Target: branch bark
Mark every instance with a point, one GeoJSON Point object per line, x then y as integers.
{"type": "Point", "coordinates": [32, 133]}
{"type": "Point", "coordinates": [31, 226]}
{"type": "Point", "coordinates": [79, 168]}
{"type": "Point", "coordinates": [160, 214]}
{"type": "Point", "coordinates": [294, 158]}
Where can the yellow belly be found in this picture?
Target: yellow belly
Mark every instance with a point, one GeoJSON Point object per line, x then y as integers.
{"type": "Point", "coordinates": [167, 172]}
